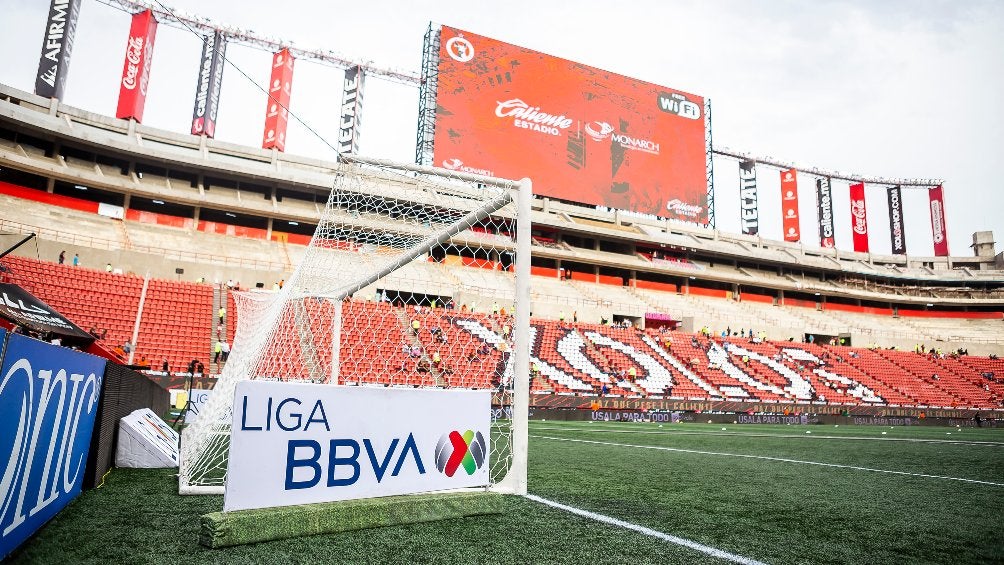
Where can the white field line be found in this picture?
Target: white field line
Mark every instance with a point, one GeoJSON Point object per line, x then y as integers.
{"type": "Point", "coordinates": [778, 459]}
{"type": "Point", "coordinates": [744, 434]}
{"type": "Point", "coordinates": [648, 532]}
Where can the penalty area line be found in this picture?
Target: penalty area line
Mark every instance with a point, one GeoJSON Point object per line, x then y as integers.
{"type": "Point", "coordinates": [778, 459]}
{"type": "Point", "coordinates": [714, 552]}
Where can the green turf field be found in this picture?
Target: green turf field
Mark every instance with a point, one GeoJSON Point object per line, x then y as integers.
{"type": "Point", "coordinates": [773, 494]}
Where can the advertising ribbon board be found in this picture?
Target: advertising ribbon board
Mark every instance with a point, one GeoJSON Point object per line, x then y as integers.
{"type": "Point", "coordinates": [48, 403]}
{"type": "Point", "coordinates": [298, 443]}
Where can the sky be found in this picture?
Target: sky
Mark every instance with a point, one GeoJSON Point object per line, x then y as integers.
{"type": "Point", "coordinates": [893, 88]}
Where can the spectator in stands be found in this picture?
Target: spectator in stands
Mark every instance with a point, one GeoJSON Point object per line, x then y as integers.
{"type": "Point", "coordinates": [604, 390]}
{"type": "Point", "coordinates": [108, 268]}
{"type": "Point", "coordinates": [222, 313]}
{"type": "Point", "coordinates": [192, 365]}
{"type": "Point", "coordinates": [76, 260]}
{"type": "Point", "coordinates": [62, 257]}
{"type": "Point", "coordinates": [415, 326]}
{"type": "Point", "coordinates": [225, 351]}
{"type": "Point", "coordinates": [632, 373]}
{"type": "Point", "coordinates": [200, 369]}
{"type": "Point", "coordinates": [436, 359]}
{"type": "Point", "coordinates": [165, 367]}
{"type": "Point", "coordinates": [217, 351]}
{"type": "Point", "coordinates": [127, 347]}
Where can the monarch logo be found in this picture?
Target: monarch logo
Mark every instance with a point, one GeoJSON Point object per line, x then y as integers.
{"type": "Point", "coordinates": [598, 131]}
{"type": "Point", "coordinates": [455, 450]}
{"type": "Point", "coordinates": [460, 49]}
{"type": "Point", "coordinates": [455, 164]}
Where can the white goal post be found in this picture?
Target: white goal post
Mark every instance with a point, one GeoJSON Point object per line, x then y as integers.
{"type": "Point", "coordinates": [415, 277]}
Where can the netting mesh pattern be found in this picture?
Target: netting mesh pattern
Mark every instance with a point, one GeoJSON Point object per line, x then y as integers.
{"type": "Point", "coordinates": [373, 304]}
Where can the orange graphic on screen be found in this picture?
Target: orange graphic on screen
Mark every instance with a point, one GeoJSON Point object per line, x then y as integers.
{"type": "Point", "coordinates": [580, 133]}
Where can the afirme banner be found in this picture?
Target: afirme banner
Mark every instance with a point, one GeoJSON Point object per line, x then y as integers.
{"type": "Point", "coordinates": [352, 111]}
{"type": "Point", "coordinates": [136, 69]}
{"type": "Point", "coordinates": [789, 205]}
{"type": "Point", "coordinates": [938, 228]}
{"type": "Point", "coordinates": [897, 231]}
{"type": "Point", "coordinates": [297, 443]}
{"type": "Point", "coordinates": [824, 211]}
{"type": "Point", "coordinates": [859, 217]}
{"type": "Point", "coordinates": [280, 91]}
{"type": "Point", "coordinates": [582, 134]}
{"type": "Point", "coordinates": [207, 89]}
{"type": "Point", "coordinates": [57, 45]}
{"type": "Point", "coordinates": [749, 214]}
{"type": "Point", "coordinates": [48, 403]}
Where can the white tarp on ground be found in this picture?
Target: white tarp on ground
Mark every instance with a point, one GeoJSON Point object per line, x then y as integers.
{"type": "Point", "coordinates": [146, 442]}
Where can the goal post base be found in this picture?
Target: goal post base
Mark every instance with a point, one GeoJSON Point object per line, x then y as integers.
{"type": "Point", "coordinates": [226, 529]}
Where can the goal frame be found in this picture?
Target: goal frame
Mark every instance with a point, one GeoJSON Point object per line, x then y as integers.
{"type": "Point", "coordinates": [521, 194]}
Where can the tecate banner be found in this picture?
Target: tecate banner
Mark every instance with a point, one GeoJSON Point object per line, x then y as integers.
{"type": "Point", "coordinates": [748, 211]}
{"type": "Point", "coordinates": [207, 89]}
{"type": "Point", "coordinates": [789, 205]}
{"type": "Point", "coordinates": [938, 228]}
{"type": "Point", "coordinates": [897, 231]}
{"type": "Point", "coordinates": [136, 69]}
{"type": "Point", "coordinates": [48, 403]}
{"type": "Point", "coordinates": [57, 45]}
{"type": "Point", "coordinates": [302, 443]}
{"type": "Point", "coordinates": [824, 210]}
{"type": "Point", "coordinates": [859, 218]}
{"type": "Point", "coordinates": [280, 92]}
{"type": "Point", "coordinates": [581, 133]}
{"type": "Point", "coordinates": [352, 111]}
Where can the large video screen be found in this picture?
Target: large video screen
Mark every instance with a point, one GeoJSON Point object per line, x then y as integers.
{"type": "Point", "coordinates": [580, 133]}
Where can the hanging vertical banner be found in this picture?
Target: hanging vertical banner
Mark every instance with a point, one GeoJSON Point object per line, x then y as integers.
{"type": "Point", "coordinates": [279, 93]}
{"type": "Point", "coordinates": [824, 209]}
{"type": "Point", "coordinates": [859, 218]}
{"type": "Point", "coordinates": [897, 233]}
{"type": "Point", "coordinates": [136, 70]}
{"type": "Point", "coordinates": [749, 214]}
{"type": "Point", "coordinates": [789, 205]}
{"type": "Point", "coordinates": [352, 108]}
{"type": "Point", "coordinates": [57, 43]}
{"type": "Point", "coordinates": [938, 227]}
{"type": "Point", "coordinates": [207, 90]}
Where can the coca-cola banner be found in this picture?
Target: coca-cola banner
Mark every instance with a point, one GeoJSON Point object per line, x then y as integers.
{"type": "Point", "coordinates": [136, 70]}
{"type": "Point", "coordinates": [352, 109]}
{"type": "Point", "coordinates": [789, 205]}
{"type": "Point", "coordinates": [748, 212]}
{"type": "Point", "coordinates": [897, 232]}
{"type": "Point", "coordinates": [938, 227]}
{"type": "Point", "coordinates": [824, 210]}
{"type": "Point", "coordinates": [859, 218]}
{"type": "Point", "coordinates": [581, 133]}
{"type": "Point", "coordinates": [279, 92]}
{"type": "Point", "coordinates": [207, 89]}
{"type": "Point", "coordinates": [57, 43]}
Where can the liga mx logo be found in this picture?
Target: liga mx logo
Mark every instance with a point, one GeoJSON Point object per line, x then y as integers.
{"type": "Point", "coordinates": [455, 450]}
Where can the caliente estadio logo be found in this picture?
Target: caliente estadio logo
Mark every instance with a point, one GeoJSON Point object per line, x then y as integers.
{"type": "Point", "coordinates": [455, 450]}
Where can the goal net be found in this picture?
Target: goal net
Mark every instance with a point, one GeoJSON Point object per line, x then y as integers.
{"type": "Point", "coordinates": [415, 277]}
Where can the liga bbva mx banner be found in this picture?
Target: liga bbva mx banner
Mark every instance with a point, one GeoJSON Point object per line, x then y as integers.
{"type": "Point", "coordinates": [824, 211]}
{"type": "Point", "coordinates": [897, 231]}
{"type": "Point", "coordinates": [938, 227]}
{"type": "Point", "coordinates": [207, 89]}
{"type": "Point", "coordinates": [352, 110]}
{"type": "Point", "coordinates": [279, 93]}
{"type": "Point", "coordinates": [749, 214]}
{"type": "Point", "coordinates": [57, 44]}
{"type": "Point", "coordinates": [136, 69]}
{"type": "Point", "coordinates": [859, 218]}
{"type": "Point", "coordinates": [789, 205]}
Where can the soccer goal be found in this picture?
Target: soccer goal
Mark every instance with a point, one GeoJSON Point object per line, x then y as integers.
{"type": "Point", "coordinates": [415, 277]}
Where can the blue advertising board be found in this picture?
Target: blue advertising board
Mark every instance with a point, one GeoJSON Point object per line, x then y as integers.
{"type": "Point", "coordinates": [48, 404]}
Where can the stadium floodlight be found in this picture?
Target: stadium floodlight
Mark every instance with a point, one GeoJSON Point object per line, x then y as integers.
{"type": "Point", "coordinates": [368, 306]}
